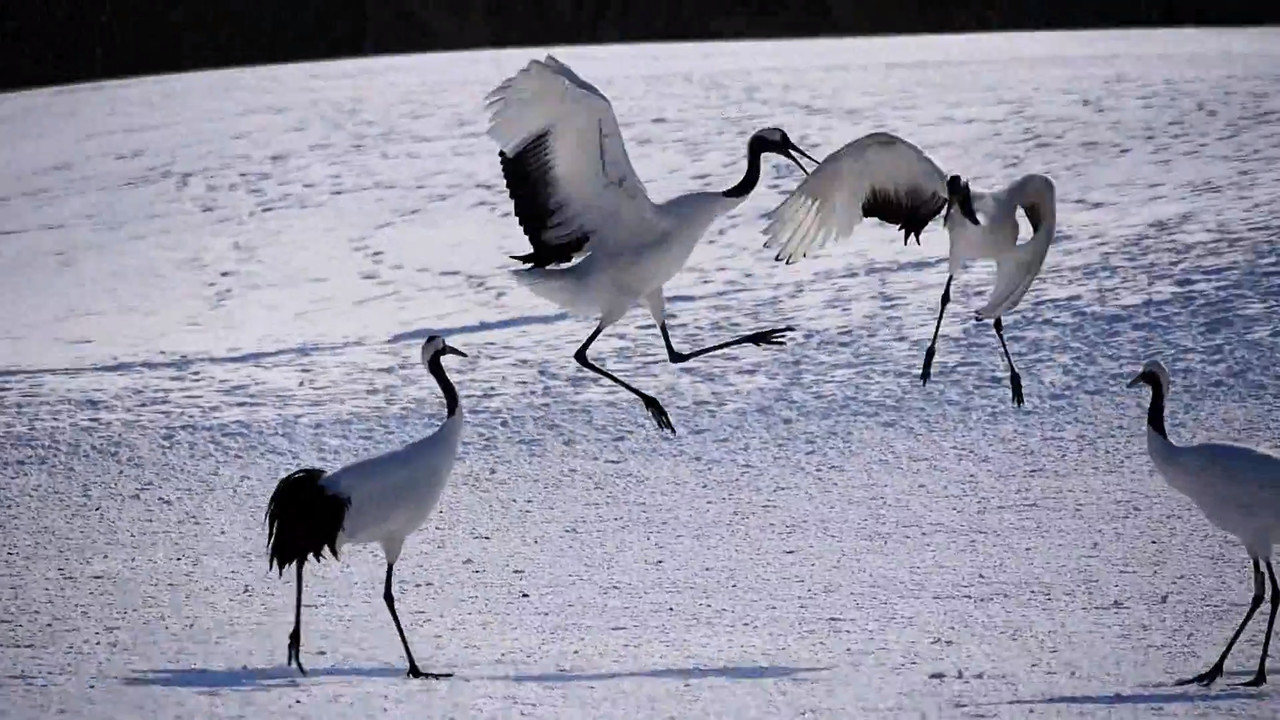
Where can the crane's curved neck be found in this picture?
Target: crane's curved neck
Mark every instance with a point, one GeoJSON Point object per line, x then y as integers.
{"type": "Point", "coordinates": [1036, 194]}
{"type": "Point", "coordinates": [446, 385]}
{"type": "Point", "coordinates": [1155, 412]}
{"type": "Point", "coordinates": [749, 179]}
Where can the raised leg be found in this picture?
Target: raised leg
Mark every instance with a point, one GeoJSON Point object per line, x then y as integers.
{"type": "Point", "coordinates": [1015, 380]}
{"type": "Point", "coordinates": [760, 338]}
{"type": "Point", "coordinates": [651, 403]}
{"type": "Point", "coordinates": [1207, 677]}
{"type": "Point", "coordinates": [295, 637]}
{"type": "Point", "coordinates": [1260, 678]}
{"type": "Point", "coordinates": [927, 371]}
{"type": "Point", "coordinates": [414, 672]}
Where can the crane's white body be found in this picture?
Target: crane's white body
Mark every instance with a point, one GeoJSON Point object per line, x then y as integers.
{"type": "Point", "coordinates": [393, 494]}
{"type": "Point", "coordinates": [636, 245]}
{"type": "Point", "coordinates": [609, 282]}
{"type": "Point", "coordinates": [1236, 487]}
{"type": "Point", "coordinates": [829, 204]}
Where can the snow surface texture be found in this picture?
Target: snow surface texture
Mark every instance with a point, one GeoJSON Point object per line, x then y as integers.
{"type": "Point", "coordinates": [212, 279]}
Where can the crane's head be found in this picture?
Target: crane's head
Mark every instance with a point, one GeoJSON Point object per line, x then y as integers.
{"type": "Point", "coordinates": [1153, 374]}
{"type": "Point", "coordinates": [958, 194]}
{"type": "Point", "coordinates": [774, 140]}
{"type": "Point", "coordinates": [435, 347]}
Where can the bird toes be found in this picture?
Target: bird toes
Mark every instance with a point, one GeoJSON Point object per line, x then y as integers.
{"type": "Point", "coordinates": [659, 414]}
{"type": "Point", "coordinates": [1204, 679]}
{"type": "Point", "coordinates": [414, 672]}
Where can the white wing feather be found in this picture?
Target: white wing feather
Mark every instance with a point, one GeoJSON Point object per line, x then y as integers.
{"type": "Point", "coordinates": [830, 202]}
{"type": "Point", "coordinates": [1019, 267]}
{"type": "Point", "coordinates": [590, 187]}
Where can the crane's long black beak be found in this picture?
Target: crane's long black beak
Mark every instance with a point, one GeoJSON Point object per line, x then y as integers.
{"type": "Point", "coordinates": [451, 350]}
{"type": "Point", "coordinates": [1137, 380]}
{"type": "Point", "coordinates": [804, 154]}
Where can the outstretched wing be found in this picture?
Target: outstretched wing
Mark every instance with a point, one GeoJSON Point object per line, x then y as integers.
{"type": "Point", "coordinates": [1019, 267]}
{"type": "Point", "coordinates": [879, 176]}
{"type": "Point", "coordinates": [565, 165]}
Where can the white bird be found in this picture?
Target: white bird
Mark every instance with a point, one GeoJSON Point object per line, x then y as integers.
{"type": "Point", "coordinates": [1238, 490]}
{"type": "Point", "coordinates": [577, 197]}
{"type": "Point", "coordinates": [380, 499]}
{"type": "Point", "coordinates": [882, 176]}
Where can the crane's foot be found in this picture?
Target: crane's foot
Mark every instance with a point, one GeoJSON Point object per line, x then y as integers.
{"type": "Point", "coordinates": [1015, 382]}
{"type": "Point", "coordinates": [761, 338]}
{"type": "Point", "coordinates": [414, 672]}
{"type": "Point", "coordinates": [1204, 679]}
{"type": "Point", "coordinates": [295, 650]}
{"type": "Point", "coordinates": [658, 413]}
{"type": "Point", "coordinates": [926, 372]}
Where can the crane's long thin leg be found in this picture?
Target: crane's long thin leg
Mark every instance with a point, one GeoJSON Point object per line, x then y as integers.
{"type": "Point", "coordinates": [760, 338]}
{"type": "Point", "coordinates": [414, 672]}
{"type": "Point", "coordinates": [651, 403]}
{"type": "Point", "coordinates": [295, 637]}
{"type": "Point", "coordinates": [1260, 678]}
{"type": "Point", "coordinates": [1207, 677]}
{"type": "Point", "coordinates": [1015, 380]}
{"type": "Point", "coordinates": [927, 371]}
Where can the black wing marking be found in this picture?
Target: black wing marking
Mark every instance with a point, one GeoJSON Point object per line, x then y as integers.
{"type": "Point", "coordinates": [531, 185]}
{"type": "Point", "coordinates": [911, 209]}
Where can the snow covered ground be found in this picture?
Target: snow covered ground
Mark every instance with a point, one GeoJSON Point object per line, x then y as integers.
{"type": "Point", "coordinates": [211, 279]}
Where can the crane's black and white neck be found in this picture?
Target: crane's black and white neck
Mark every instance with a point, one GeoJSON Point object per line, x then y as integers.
{"type": "Point", "coordinates": [433, 349]}
{"type": "Point", "coordinates": [769, 140]}
{"type": "Point", "coordinates": [1155, 376]}
{"type": "Point", "coordinates": [381, 499]}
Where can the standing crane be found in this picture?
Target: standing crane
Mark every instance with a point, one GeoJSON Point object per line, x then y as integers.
{"type": "Point", "coordinates": [381, 500]}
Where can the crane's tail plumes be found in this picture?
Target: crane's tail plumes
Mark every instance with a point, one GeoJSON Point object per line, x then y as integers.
{"type": "Point", "coordinates": [303, 518]}
{"type": "Point", "coordinates": [565, 287]}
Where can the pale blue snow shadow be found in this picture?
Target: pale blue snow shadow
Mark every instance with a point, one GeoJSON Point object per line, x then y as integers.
{"type": "Point", "coordinates": [739, 672]}
{"type": "Point", "coordinates": [1144, 698]}
{"type": "Point", "coordinates": [249, 678]}
{"type": "Point", "coordinates": [477, 327]}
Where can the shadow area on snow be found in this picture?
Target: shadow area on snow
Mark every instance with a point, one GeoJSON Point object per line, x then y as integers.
{"type": "Point", "coordinates": [1159, 694]}
{"type": "Point", "coordinates": [249, 678]}
{"type": "Point", "coordinates": [731, 672]}
{"type": "Point", "coordinates": [211, 679]}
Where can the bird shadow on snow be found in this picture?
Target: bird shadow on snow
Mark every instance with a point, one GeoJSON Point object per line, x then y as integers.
{"type": "Point", "coordinates": [249, 678]}
{"type": "Point", "coordinates": [209, 679]}
{"type": "Point", "coordinates": [1158, 694]}
{"type": "Point", "coordinates": [732, 672]}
